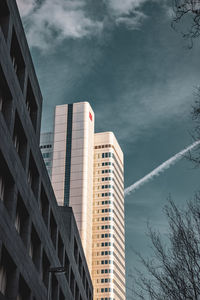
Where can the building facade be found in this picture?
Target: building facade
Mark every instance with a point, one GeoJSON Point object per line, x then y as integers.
{"type": "Point", "coordinates": [88, 175]}
{"type": "Point", "coordinates": [108, 251]}
{"type": "Point", "coordinates": [72, 167]}
{"type": "Point", "coordinates": [35, 234]}
{"type": "Point", "coordinates": [46, 146]}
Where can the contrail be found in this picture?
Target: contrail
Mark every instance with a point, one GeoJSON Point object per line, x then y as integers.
{"type": "Point", "coordinates": [156, 172]}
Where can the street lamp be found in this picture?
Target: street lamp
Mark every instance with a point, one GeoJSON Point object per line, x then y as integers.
{"type": "Point", "coordinates": [54, 270]}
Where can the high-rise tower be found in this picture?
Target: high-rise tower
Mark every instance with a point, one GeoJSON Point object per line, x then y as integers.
{"type": "Point", "coordinates": [88, 175]}
{"type": "Point", "coordinates": [108, 251]}
{"type": "Point", "coordinates": [72, 168]}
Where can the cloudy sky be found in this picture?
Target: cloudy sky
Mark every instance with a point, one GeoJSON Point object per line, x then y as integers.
{"type": "Point", "coordinates": [139, 76]}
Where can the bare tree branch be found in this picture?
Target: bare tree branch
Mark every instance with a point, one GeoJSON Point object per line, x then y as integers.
{"type": "Point", "coordinates": [174, 273]}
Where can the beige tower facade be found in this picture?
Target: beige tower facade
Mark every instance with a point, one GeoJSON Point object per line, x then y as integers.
{"type": "Point", "coordinates": [108, 251]}
{"type": "Point", "coordinates": [72, 167]}
{"type": "Point", "coordinates": [88, 175]}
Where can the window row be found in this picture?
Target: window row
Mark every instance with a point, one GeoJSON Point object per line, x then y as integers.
{"type": "Point", "coordinates": [104, 280]}
{"type": "Point", "coordinates": [107, 186]}
{"type": "Point", "coordinates": [107, 178]}
{"type": "Point", "coordinates": [107, 171]}
{"type": "Point", "coordinates": [107, 163]}
{"type": "Point", "coordinates": [107, 154]}
{"type": "Point", "coordinates": [45, 146]}
{"type": "Point", "coordinates": [106, 262]}
{"type": "Point", "coordinates": [103, 146]}
{"type": "Point", "coordinates": [107, 210]}
{"type": "Point", "coordinates": [104, 290]}
{"type": "Point", "coordinates": [106, 244]}
{"type": "Point", "coordinates": [106, 271]}
{"type": "Point", "coordinates": [107, 219]}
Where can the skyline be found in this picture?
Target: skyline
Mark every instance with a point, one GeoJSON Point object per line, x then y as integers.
{"type": "Point", "coordinates": [140, 80]}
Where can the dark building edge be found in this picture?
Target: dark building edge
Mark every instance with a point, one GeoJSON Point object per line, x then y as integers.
{"type": "Point", "coordinates": [15, 167]}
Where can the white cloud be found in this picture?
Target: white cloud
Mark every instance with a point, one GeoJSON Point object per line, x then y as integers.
{"type": "Point", "coordinates": [55, 20]}
{"type": "Point", "coordinates": [49, 22]}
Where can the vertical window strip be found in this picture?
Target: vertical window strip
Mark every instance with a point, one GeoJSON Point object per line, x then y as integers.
{"type": "Point", "coordinates": [68, 154]}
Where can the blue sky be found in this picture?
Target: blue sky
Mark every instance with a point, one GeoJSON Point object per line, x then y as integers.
{"type": "Point", "coordinates": [139, 76]}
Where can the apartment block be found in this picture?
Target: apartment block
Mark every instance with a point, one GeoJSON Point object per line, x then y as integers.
{"type": "Point", "coordinates": [35, 233]}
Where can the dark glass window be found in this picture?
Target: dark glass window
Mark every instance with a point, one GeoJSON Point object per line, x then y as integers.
{"type": "Point", "coordinates": [4, 18]}
{"type": "Point", "coordinates": [67, 266]}
{"type": "Point", "coordinates": [22, 220]}
{"type": "Point", "coordinates": [44, 206]}
{"type": "Point", "coordinates": [8, 275]}
{"type": "Point", "coordinates": [6, 184]}
{"type": "Point", "coordinates": [33, 176]}
{"type": "Point", "coordinates": [31, 105]}
{"type": "Point", "coordinates": [5, 98]}
{"type": "Point", "coordinates": [60, 249]}
{"type": "Point", "coordinates": [35, 248]}
{"type": "Point", "coordinates": [24, 292]}
{"type": "Point", "coordinates": [17, 59]}
{"type": "Point", "coordinates": [45, 269]}
{"type": "Point", "coordinates": [19, 140]}
{"type": "Point", "coordinates": [53, 230]}
{"type": "Point", "coordinates": [72, 282]}
{"type": "Point", "coordinates": [75, 250]}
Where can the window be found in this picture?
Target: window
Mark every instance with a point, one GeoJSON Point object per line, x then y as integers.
{"type": "Point", "coordinates": [75, 250]}
{"type": "Point", "coordinates": [24, 292]}
{"type": "Point", "coordinates": [44, 206]}
{"type": "Point", "coordinates": [6, 185]}
{"type": "Point", "coordinates": [8, 274]}
{"type": "Point", "coordinates": [33, 176]}
{"type": "Point", "coordinates": [46, 155]}
{"type": "Point", "coordinates": [45, 269]}
{"type": "Point", "coordinates": [83, 277]}
{"type": "Point", "coordinates": [72, 282]}
{"type": "Point", "coordinates": [3, 279]}
{"type": "Point", "coordinates": [60, 249]}
{"type": "Point", "coordinates": [31, 105]}
{"type": "Point", "coordinates": [19, 140]}
{"type": "Point", "coordinates": [17, 60]}
{"type": "Point", "coordinates": [5, 98]}
{"type": "Point", "coordinates": [67, 266]}
{"type": "Point", "coordinates": [54, 290]}
{"type": "Point", "coordinates": [76, 293]}
{"type": "Point", "coordinates": [80, 265]}
{"type": "Point", "coordinates": [35, 248]}
{"type": "Point", "coordinates": [4, 18]}
{"type": "Point", "coordinates": [2, 188]}
{"type": "Point", "coordinates": [22, 220]}
{"type": "Point", "coordinates": [53, 230]}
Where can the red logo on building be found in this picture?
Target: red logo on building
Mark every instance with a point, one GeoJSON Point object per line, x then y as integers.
{"type": "Point", "coordinates": [90, 116]}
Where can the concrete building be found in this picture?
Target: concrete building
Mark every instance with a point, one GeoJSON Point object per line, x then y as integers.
{"type": "Point", "coordinates": [35, 234]}
{"type": "Point", "coordinates": [46, 146]}
{"type": "Point", "coordinates": [72, 168]}
{"type": "Point", "coordinates": [88, 175]}
{"type": "Point", "coordinates": [108, 251]}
